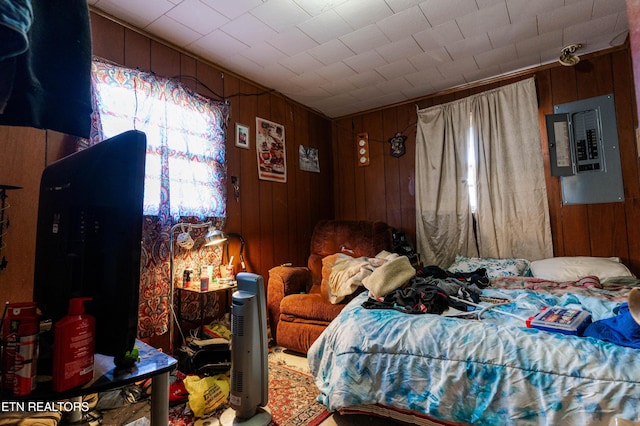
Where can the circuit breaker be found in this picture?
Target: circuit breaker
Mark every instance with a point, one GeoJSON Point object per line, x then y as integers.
{"type": "Point", "coordinates": [584, 151]}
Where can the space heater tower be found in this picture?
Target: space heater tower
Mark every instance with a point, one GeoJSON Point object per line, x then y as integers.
{"type": "Point", "coordinates": [249, 363]}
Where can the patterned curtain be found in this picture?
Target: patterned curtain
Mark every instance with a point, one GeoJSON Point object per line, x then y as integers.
{"type": "Point", "coordinates": [185, 176]}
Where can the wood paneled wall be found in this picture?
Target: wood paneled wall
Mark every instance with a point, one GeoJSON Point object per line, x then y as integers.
{"type": "Point", "coordinates": [384, 190]}
{"type": "Point", "coordinates": [24, 153]}
{"type": "Point", "coordinates": [275, 219]}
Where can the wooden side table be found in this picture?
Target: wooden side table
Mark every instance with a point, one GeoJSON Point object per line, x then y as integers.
{"type": "Point", "coordinates": [227, 288]}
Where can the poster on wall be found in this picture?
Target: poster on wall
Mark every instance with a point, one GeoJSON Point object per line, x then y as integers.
{"type": "Point", "coordinates": [271, 152]}
{"type": "Point", "coordinates": [309, 159]}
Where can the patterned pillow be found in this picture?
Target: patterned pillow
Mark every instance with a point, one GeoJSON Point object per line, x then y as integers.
{"type": "Point", "coordinates": [507, 267]}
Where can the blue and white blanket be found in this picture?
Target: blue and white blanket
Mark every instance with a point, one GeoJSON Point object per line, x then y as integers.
{"type": "Point", "coordinates": [492, 371]}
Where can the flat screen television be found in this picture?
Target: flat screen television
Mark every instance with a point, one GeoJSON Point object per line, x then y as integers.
{"type": "Point", "coordinates": [89, 236]}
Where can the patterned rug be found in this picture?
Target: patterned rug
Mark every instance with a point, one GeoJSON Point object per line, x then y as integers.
{"type": "Point", "coordinates": [292, 400]}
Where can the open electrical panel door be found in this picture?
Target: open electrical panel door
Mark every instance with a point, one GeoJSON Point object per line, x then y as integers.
{"type": "Point", "coordinates": [584, 151]}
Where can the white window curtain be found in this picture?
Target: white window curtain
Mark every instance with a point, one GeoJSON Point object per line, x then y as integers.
{"type": "Point", "coordinates": [512, 216]}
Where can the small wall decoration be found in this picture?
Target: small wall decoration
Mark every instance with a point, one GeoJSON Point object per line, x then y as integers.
{"type": "Point", "coordinates": [397, 144]}
{"type": "Point", "coordinates": [242, 136]}
{"type": "Point", "coordinates": [271, 152]}
{"type": "Point", "coordinates": [309, 159]}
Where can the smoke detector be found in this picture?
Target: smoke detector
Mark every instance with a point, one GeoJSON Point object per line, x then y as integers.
{"type": "Point", "coordinates": [567, 57]}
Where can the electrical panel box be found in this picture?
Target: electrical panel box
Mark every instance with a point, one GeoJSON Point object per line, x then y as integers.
{"type": "Point", "coordinates": [584, 151]}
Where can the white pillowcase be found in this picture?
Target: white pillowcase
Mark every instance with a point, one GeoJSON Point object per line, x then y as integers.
{"type": "Point", "coordinates": [574, 268]}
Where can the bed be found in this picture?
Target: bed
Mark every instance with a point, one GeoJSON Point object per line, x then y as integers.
{"type": "Point", "coordinates": [435, 369]}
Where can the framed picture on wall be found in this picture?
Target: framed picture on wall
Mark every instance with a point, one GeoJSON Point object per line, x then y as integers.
{"type": "Point", "coordinates": [271, 152]}
{"type": "Point", "coordinates": [242, 136]}
{"type": "Point", "coordinates": [308, 158]}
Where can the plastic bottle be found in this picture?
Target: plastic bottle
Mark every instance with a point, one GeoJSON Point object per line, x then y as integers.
{"type": "Point", "coordinates": [204, 279]}
{"type": "Point", "coordinates": [73, 347]}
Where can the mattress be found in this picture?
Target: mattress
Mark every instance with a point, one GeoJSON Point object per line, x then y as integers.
{"type": "Point", "coordinates": [491, 371]}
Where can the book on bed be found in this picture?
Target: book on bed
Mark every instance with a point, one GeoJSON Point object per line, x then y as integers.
{"type": "Point", "coordinates": [560, 320]}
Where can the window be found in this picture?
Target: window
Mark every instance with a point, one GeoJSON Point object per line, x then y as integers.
{"type": "Point", "coordinates": [185, 166]}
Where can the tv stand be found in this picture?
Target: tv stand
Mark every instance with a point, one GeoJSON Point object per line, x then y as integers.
{"type": "Point", "coordinates": [152, 364]}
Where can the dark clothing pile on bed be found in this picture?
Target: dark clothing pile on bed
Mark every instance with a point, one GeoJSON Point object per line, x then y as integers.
{"type": "Point", "coordinates": [429, 290]}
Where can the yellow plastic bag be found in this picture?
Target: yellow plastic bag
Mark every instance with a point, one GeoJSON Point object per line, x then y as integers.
{"type": "Point", "coordinates": [207, 393]}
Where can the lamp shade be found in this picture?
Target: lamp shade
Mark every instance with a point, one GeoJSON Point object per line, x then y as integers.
{"type": "Point", "coordinates": [214, 237]}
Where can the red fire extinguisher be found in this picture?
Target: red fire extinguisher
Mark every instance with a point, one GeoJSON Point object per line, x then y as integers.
{"type": "Point", "coordinates": [20, 353]}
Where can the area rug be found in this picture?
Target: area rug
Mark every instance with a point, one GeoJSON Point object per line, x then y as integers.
{"type": "Point", "coordinates": [292, 400]}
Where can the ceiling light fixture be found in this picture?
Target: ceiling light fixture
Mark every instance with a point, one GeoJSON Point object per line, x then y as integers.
{"type": "Point", "coordinates": [567, 57]}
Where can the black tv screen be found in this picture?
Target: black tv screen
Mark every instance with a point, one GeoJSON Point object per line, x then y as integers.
{"type": "Point", "coordinates": [88, 239]}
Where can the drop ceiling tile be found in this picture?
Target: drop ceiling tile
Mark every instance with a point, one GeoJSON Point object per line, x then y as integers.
{"type": "Point", "coordinates": [197, 16]}
{"type": "Point", "coordinates": [301, 63]}
{"type": "Point", "coordinates": [482, 74]}
{"type": "Point", "coordinates": [248, 29]}
{"type": "Point", "coordinates": [217, 45]}
{"type": "Point", "coordinates": [400, 5]}
{"type": "Point", "coordinates": [483, 20]}
{"type": "Point", "coordinates": [364, 93]}
{"type": "Point", "coordinates": [309, 79]}
{"type": "Point", "coordinates": [418, 92]}
{"type": "Point", "coordinates": [331, 51]}
{"type": "Point", "coordinates": [430, 59]}
{"type": "Point", "coordinates": [135, 12]}
{"type": "Point", "coordinates": [383, 100]}
{"type": "Point", "coordinates": [497, 56]}
{"type": "Point", "coordinates": [263, 54]}
{"type": "Point", "coordinates": [438, 36]}
{"type": "Point", "coordinates": [278, 76]}
{"type": "Point", "coordinates": [450, 82]}
{"type": "Point", "coordinates": [365, 61]}
{"type": "Point", "coordinates": [364, 39]}
{"type": "Point", "coordinates": [395, 85]}
{"type": "Point", "coordinates": [520, 10]}
{"type": "Point", "coordinates": [366, 79]}
{"type": "Point", "coordinates": [523, 63]}
{"type": "Point", "coordinates": [607, 7]}
{"type": "Point", "coordinates": [587, 30]}
{"type": "Point", "coordinates": [534, 45]}
{"type": "Point", "coordinates": [337, 71]}
{"type": "Point", "coordinates": [486, 3]}
{"type": "Point", "coordinates": [509, 34]}
{"type": "Point", "coordinates": [396, 69]}
{"type": "Point", "coordinates": [405, 48]}
{"type": "Point", "coordinates": [315, 7]}
{"type": "Point", "coordinates": [469, 46]}
{"type": "Point", "coordinates": [360, 13]}
{"type": "Point", "coordinates": [292, 41]}
{"type": "Point", "coordinates": [280, 14]}
{"type": "Point", "coordinates": [324, 27]}
{"type": "Point", "coordinates": [169, 29]}
{"type": "Point", "coordinates": [438, 12]}
{"type": "Point", "coordinates": [458, 67]}
{"type": "Point", "coordinates": [568, 15]}
{"type": "Point", "coordinates": [403, 24]}
{"type": "Point", "coordinates": [424, 77]}
{"type": "Point", "coordinates": [232, 9]}
{"type": "Point", "coordinates": [336, 87]}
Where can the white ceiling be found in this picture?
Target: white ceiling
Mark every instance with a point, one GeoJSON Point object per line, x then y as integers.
{"type": "Point", "coordinates": [341, 57]}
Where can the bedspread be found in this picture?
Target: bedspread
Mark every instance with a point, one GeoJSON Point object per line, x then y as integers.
{"type": "Point", "coordinates": [491, 371]}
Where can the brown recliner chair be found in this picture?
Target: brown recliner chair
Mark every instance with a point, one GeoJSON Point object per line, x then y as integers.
{"type": "Point", "coordinates": [297, 304]}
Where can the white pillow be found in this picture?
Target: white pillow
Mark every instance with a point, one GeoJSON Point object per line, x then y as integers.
{"type": "Point", "coordinates": [574, 268]}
